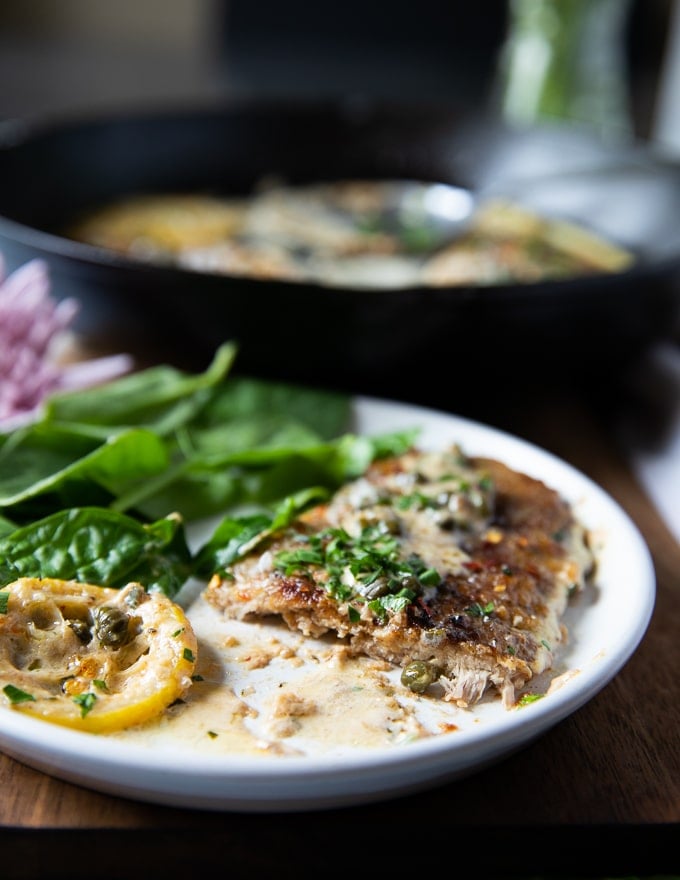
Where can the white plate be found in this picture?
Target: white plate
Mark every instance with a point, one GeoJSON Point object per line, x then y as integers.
{"type": "Point", "coordinates": [605, 629]}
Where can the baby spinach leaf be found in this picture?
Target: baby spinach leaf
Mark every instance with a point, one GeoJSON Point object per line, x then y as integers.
{"type": "Point", "coordinates": [159, 398]}
{"type": "Point", "coordinates": [85, 492]}
{"type": "Point", "coordinates": [201, 420]}
{"type": "Point", "coordinates": [230, 540]}
{"type": "Point", "coordinates": [253, 431]}
{"type": "Point", "coordinates": [236, 536]}
{"type": "Point", "coordinates": [57, 467]}
{"type": "Point", "coordinates": [98, 546]}
{"type": "Point", "coordinates": [263, 475]}
{"type": "Point", "coordinates": [6, 526]}
{"type": "Point", "coordinates": [236, 402]}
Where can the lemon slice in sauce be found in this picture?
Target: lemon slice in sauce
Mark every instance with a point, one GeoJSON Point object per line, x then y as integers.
{"type": "Point", "coordinates": [92, 658]}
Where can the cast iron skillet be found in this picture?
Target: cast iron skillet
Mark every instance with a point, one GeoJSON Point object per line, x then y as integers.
{"type": "Point", "coordinates": [393, 343]}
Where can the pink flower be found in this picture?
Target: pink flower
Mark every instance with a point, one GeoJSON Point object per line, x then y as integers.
{"type": "Point", "coordinates": [34, 328]}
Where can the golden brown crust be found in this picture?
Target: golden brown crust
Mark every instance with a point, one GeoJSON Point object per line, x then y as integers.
{"type": "Point", "coordinates": [506, 549]}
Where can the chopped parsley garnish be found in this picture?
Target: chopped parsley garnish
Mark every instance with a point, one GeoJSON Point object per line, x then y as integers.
{"type": "Point", "coordinates": [526, 699]}
{"type": "Point", "coordinates": [430, 577]}
{"type": "Point", "coordinates": [477, 610]}
{"type": "Point", "coordinates": [368, 568]}
{"type": "Point", "coordinates": [418, 500]}
{"type": "Point", "coordinates": [188, 654]}
{"type": "Point", "coordinates": [16, 695]}
{"type": "Point", "coordinates": [391, 604]}
{"type": "Point", "coordinates": [86, 703]}
{"type": "Point", "coordinates": [4, 601]}
{"type": "Point", "coordinates": [100, 683]}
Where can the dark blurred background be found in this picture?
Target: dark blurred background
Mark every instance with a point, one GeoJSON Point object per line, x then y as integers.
{"type": "Point", "coordinates": [79, 56]}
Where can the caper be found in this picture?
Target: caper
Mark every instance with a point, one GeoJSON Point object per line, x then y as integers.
{"type": "Point", "coordinates": [379, 587]}
{"type": "Point", "coordinates": [81, 629]}
{"type": "Point", "coordinates": [111, 625]}
{"type": "Point", "coordinates": [418, 675]}
{"type": "Point", "coordinates": [409, 581]}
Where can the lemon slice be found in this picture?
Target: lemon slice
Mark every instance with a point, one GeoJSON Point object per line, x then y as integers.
{"type": "Point", "coordinates": [92, 658]}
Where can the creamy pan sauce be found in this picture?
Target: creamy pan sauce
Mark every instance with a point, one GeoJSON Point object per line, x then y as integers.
{"type": "Point", "coordinates": [268, 691]}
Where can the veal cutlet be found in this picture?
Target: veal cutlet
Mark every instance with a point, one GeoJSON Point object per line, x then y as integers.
{"type": "Point", "coordinates": [457, 569]}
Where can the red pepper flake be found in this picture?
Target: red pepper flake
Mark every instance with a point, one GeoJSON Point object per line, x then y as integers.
{"type": "Point", "coordinates": [473, 565]}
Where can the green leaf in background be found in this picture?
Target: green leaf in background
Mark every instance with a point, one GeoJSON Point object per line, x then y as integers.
{"type": "Point", "coordinates": [82, 451]}
{"type": "Point", "coordinates": [55, 468]}
{"type": "Point", "coordinates": [228, 542]}
{"type": "Point", "coordinates": [97, 546]}
{"type": "Point", "coordinates": [254, 441]}
{"type": "Point", "coordinates": [261, 475]}
{"type": "Point", "coordinates": [236, 536]}
{"type": "Point", "coordinates": [160, 398]}
{"type": "Point", "coordinates": [6, 526]}
{"type": "Point", "coordinates": [91, 489]}
{"type": "Point", "coordinates": [325, 412]}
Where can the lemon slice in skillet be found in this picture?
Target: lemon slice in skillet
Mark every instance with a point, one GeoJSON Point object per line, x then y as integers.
{"type": "Point", "coordinates": [92, 658]}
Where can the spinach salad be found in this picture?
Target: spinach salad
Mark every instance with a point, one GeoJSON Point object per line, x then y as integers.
{"type": "Point", "coordinates": [102, 485]}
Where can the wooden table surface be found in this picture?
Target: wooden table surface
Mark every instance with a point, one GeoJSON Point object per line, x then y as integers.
{"type": "Point", "coordinates": [598, 795]}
